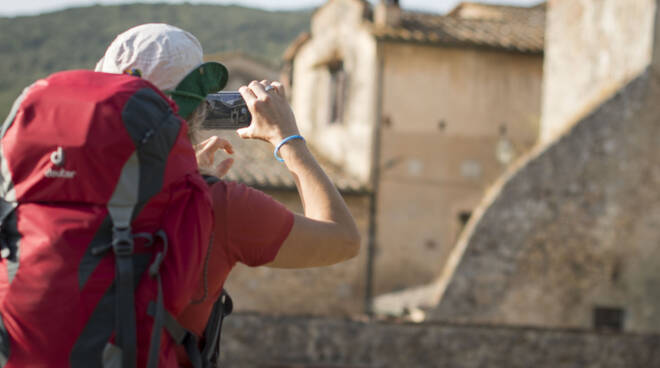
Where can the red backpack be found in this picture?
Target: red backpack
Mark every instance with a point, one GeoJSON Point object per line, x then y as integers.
{"type": "Point", "coordinates": [105, 224]}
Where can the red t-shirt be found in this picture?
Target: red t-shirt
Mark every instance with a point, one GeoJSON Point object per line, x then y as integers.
{"type": "Point", "coordinates": [249, 228]}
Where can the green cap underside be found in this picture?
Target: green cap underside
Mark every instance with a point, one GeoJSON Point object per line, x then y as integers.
{"type": "Point", "coordinates": [207, 78]}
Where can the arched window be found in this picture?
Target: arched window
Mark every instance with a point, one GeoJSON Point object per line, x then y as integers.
{"type": "Point", "coordinates": [338, 83]}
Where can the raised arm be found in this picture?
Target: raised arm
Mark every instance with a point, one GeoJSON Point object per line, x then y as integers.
{"type": "Point", "coordinates": [326, 234]}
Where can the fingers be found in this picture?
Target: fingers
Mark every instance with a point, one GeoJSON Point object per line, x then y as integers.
{"type": "Point", "coordinates": [214, 143]}
{"type": "Point", "coordinates": [272, 116]}
{"type": "Point", "coordinates": [205, 151]}
{"type": "Point", "coordinates": [259, 89]}
{"type": "Point", "coordinates": [248, 94]}
{"type": "Point", "coordinates": [273, 87]}
{"type": "Point", "coordinates": [245, 132]}
{"type": "Point", "coordinates": [202, 153]}
{"type": "Point", "coordinates": [223, 168]}
{"type": "Point", "coordinates": [277, 86]}
{"type": "Point", "coordinates": [225, 145]}
{"type": "Point", "coordinates": [269, 87]}
{"type": "Point", "coordinates": [256, 97]}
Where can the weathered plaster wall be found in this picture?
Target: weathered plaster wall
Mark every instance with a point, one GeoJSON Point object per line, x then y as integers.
{"type": "Point", "coordinates": [338, 34]}
{"type": "Point", "coordinates": [259, 342]}
{"type": "Point", "coordinates": [443, 109]}
{"type": "Point", "coordinates": [593, 48]}
{"type": "Point", "coordinates": [473, 91]}
{"type": "Point", "coordinates": [574, 229]}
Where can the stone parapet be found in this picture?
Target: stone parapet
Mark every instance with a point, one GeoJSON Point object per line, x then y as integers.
{"type": "Point", "coordinates": [296, 342]}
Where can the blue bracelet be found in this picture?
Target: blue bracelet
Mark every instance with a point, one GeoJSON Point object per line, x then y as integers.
{"type": "Point", "coordinates": [277, 149]}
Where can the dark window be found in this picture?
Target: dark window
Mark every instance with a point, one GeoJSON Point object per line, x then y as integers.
{"type": "Point", "coordinates": [463, 218]}
{"type": "Point", "coordinates": [608, 319]}
{"type": "Point", "coordinates": [337, 91]}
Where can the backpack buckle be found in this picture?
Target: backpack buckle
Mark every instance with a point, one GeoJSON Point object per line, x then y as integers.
{"type": "Point", "coordinates": [122, 241]}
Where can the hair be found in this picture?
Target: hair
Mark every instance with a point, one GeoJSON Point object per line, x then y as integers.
{"type": "Point", "coordinates": [195, 122]}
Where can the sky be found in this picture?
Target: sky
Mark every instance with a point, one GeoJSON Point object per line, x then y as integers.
{"type": "Point", "coordinates": [10, 8]}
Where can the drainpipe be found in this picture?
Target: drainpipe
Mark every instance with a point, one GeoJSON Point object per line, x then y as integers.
{"type": "Point", "coordinates": [375, 184]}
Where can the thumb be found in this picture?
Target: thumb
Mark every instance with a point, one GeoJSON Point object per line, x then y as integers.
{"type": "Point", "coordinates": [245, 133]}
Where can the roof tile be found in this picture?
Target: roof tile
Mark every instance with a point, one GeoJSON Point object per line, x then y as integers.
{"type": "Point", "coordinates": [519, 29]}
{"type": "Point", "coordinates": [255, 165]}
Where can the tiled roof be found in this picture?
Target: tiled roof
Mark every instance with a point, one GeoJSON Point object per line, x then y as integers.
{"type": "Point", "coordinates": [255, 165]}
{"type": "Point", "coordinates": [520, 29]}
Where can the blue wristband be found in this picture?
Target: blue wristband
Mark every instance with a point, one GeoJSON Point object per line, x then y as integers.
{"type": "Point", "coordinates": [277, 149]}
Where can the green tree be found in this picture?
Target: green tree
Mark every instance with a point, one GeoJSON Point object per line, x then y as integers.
{"type": "Point", "coordinates": [33, 47]}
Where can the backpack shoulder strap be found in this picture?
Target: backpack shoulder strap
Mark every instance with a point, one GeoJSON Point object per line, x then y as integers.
{"type": "Point", "coordinates": [210, 355]}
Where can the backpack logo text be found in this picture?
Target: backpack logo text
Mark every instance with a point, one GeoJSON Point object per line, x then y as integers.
{"type": "Point", "coordinates": [57, 158]}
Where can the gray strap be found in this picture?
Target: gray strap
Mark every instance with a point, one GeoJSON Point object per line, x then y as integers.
{"type": "Point", "coordinates": [157, 310]}
{"type": "Point", "coordinates": [174, 329]}
{"type": "Point", "coordinates": [10, 240]}
{"type": "Point", "coordinates": [89, 347]}
{"type": "Point", "coordinates": [6, 208]}
{"type": "Point", "coordinates": [157, 329]}
{"type": "Point", "coordinates": [4, 344]}
{"type": "Point", "coordinates": [180, 335]}
{"type": "Point", "coordinates": [7, 191]}
{"type": "Point", "coordinates": [192, 349]}
{"type": "Point", "coordinates": [111, 356]}
{"type": "Point", "coordinates": [122, 244]}
{"type": "Point", "coordinates": [14, 110]}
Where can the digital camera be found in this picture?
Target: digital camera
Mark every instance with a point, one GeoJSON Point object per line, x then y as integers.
{"type": "Point", "coordinates": [227, 110]}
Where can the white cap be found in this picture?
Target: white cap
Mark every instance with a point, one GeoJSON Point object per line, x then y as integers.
{"type": "Point", "coordinates": [162, 53]}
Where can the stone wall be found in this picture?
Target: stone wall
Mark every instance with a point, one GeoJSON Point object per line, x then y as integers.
{"type": "Point", "coordinates": [442, 112]}
{"type": "Point", "coordinates": [286, 342]}
{"type": "Point", "coordinates": [338, 35]}
{"type": "Point", "coordinates": [575, 229]}
{"type": "Point", "coordinates": [593, 48]}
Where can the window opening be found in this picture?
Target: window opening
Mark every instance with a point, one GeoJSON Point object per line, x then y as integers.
{"type": "Point", "coordinates": [337, 91]}
{"type": "Point", "coordinates": [608, 319]}
{"type": "Point", "coordinates": [463, 218]}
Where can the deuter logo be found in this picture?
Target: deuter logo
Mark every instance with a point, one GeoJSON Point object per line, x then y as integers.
{"type": "Point", "coordinates": [61, 173]}
{"type": "Point", "coordinates": [57, 158]}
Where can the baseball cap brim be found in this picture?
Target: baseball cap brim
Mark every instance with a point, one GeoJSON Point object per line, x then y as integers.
{"type": "Point", "coordinates": [210, 77]}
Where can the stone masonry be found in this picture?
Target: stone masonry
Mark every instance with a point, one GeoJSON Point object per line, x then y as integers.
{"type": "Point", "coordinates": [575, 229]}
{"type": "Point", "coordinates": [251, 341]}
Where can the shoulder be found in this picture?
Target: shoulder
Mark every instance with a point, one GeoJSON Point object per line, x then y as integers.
{"type": "Point", "coordinates": [251, 224]}
{"type": "Point", "coordinates": [232, 194]}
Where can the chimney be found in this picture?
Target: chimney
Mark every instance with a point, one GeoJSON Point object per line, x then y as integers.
{"type": "Point", "coordinates": [388, 13]}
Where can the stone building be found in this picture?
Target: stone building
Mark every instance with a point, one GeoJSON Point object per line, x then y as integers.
{"type": "Point", "coordinates": [426, 110]}
{"type": "Point", "coordinates": [420, 113]}
{"type": "Point", "coordinates": [558, 265]}
{"type": "Point", "coordinates": [569, 238]}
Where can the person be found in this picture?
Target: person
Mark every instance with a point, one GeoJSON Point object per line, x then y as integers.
{"type": "Point", "coordinates": [249, 226]}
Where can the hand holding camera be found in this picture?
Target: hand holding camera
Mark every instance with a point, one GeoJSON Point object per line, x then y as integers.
{"type": "Point", "coordinates": [272, 117]}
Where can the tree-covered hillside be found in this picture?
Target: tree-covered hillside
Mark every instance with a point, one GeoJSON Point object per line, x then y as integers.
{"type": "Point", "coordinates": [35, 46]}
